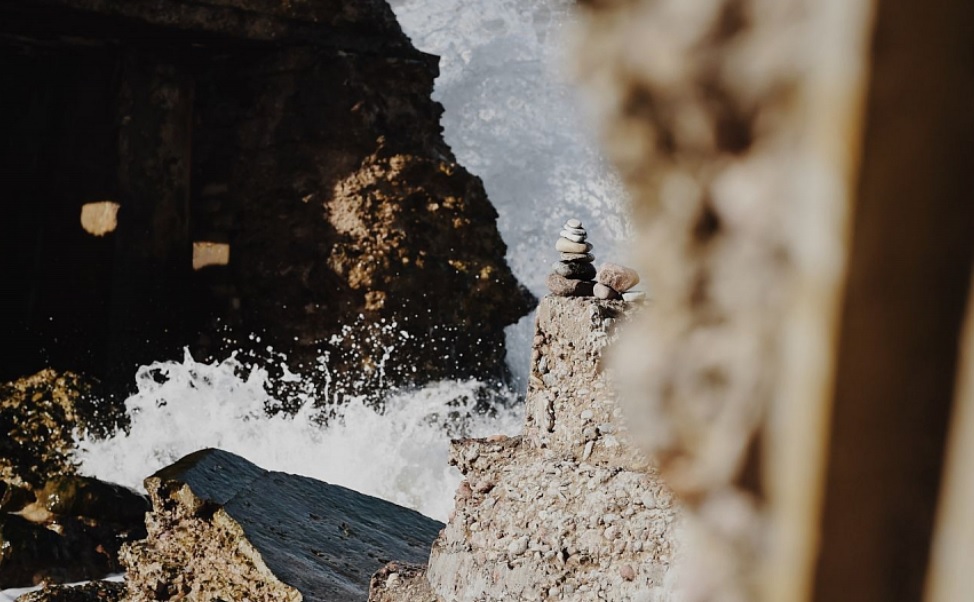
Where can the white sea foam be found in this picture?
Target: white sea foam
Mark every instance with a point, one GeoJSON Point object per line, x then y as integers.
{"type": "Point", "coordinates": [399, 453]}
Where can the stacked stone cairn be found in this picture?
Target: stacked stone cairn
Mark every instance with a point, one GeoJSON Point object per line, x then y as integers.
{"type": "Point", "coordinates": [575, 275]}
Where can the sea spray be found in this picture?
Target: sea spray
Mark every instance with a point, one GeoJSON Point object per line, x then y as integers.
{"type": "Point", "coordinates": [397, 451]}
{"type": "Point", "coordinates": [512, 116]}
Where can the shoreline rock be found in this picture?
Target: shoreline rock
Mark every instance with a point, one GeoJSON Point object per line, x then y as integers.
{"type": "Point", "coordinates": [223, 528]}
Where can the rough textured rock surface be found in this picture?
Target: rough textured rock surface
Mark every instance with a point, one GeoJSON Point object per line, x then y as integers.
{"type": "Point", "coordinates": [301, 135]}
{"type": "Point", "coordinates": [570, 510]}
{"type": "Point", "coordinates": [39, 416]}
{"type": "Point", "coordinates": [222, 528]}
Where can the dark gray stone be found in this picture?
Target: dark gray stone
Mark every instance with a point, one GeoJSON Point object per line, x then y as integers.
{"type": "Point", "coordinates": [321, 541]}
{"type": "Point", "coordinates": [565, 287]}
{"type": "Point", "coordinates": [576, 270]}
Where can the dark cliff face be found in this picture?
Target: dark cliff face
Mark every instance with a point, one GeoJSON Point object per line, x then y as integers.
{"type": "Point", "coordinates": [289, 151]}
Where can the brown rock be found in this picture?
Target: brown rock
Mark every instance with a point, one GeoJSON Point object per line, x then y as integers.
{"type": "Point", "coordinates": [617, 277]}
{"type": "Point", "coordinates": [39, 416]}
{"type": "Point", "coordinates": [565, 287]}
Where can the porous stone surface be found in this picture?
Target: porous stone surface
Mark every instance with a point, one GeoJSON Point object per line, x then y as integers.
{"type": "Point", "coordinates": [570, 509]}
{"type": "Point", "coordinates": [225, 529]}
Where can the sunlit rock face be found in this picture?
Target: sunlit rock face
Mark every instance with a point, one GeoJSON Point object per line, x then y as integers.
{"type": "Point", "coordinates": [299, 139]}
{"type": "Point", "coordinates": [570, 509]}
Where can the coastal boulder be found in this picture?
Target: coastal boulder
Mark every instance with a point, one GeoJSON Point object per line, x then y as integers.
{"type": "Point", "coordinates": [222, 528]}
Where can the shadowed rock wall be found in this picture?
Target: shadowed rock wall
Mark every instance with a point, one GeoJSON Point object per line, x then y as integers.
{"type": "Point", "coordinates": [298, 139]}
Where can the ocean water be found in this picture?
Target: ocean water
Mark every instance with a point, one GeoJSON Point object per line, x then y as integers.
{"type": "Point", "coordinates": [513, 119]}
{"type": "Point", "coordinates": [398, 453]}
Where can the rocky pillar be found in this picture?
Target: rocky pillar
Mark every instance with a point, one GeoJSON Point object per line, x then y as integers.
{"type": "Point", "coordinates": [570, 510]}
{"type": "Point", "coordinates": [153, 254]}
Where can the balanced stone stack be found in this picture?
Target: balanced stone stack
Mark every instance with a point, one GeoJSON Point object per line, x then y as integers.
{"type": "Point", "coordinates": [574, 274]}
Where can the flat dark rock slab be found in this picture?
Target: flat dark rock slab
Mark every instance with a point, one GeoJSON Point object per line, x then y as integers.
{"type": "Point", "coordinates": [322, 540]}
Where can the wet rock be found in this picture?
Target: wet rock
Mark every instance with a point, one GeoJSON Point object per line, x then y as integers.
{"type": "Point", "coordinates": [92, 499]}
{"type": "Point", "coordinates": [223, 528]}
{"type": "Point", "coordinates": [566, 287]}
{"type": "Point", "coordinates": [65, 551]}
{"type": "Point", "coordinates": [96, 591]}
{"type": "Point", "coordinates": [13, 497]}
{"type": "Point", "coordinates": [617, 277]}
{"type": "Point", "coordinates": [69, 530]}
{"type": "Point", "coordinates": [39, 416]}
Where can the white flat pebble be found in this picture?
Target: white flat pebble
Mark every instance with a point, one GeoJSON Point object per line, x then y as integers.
{"type": "Point", "coordinates": [572, 237]}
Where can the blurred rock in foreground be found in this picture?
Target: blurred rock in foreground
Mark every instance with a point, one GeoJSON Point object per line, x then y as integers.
{"type": "Point", "coordinates": [223, 528]}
